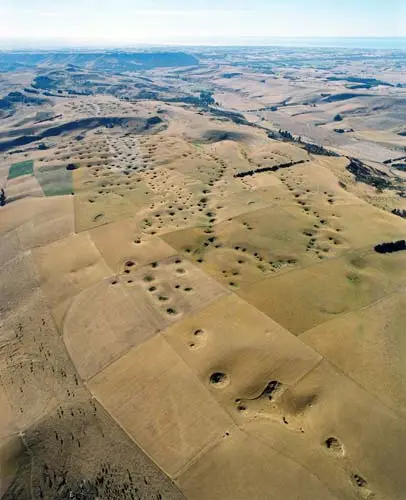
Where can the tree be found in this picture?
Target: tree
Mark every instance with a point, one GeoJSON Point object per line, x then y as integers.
{"type": "Point", "coordinates": [2, 197]}
{"type": "Point", "coordinates": [206, 98]}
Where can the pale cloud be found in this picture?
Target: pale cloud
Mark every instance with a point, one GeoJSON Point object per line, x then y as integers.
{"type": "Point", "coordinates": [205, 12]}
{"type": "Point", "coordinates": [38, 12]}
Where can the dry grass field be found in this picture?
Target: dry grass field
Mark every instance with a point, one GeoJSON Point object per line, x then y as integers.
{"type": "Point", "coordinates": [191, 305]}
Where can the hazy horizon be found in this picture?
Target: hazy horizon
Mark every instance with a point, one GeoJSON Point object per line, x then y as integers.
{"type": "Point", "coordinates": [195, 22]}
{"type": "Point", "coordinates": [373, 43]}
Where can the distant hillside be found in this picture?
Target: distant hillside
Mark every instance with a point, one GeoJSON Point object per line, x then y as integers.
{"type": "Point", "coordinates": [9, 103]}
{"type": "Point", "coordinates": [135, 124]}
{"type": "Point", "coordinates": [113, 60]}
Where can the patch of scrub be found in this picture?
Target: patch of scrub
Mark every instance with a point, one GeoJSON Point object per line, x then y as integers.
{"type": "Point", "coordinates": [55, 181]}
{"type": "Point", "coordinates": [20, 169]}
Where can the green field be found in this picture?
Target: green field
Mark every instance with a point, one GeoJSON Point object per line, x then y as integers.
{"type": "Point", "coordinates": [55, 181]}
{"type": "Point", "coordinates": [21, 168]}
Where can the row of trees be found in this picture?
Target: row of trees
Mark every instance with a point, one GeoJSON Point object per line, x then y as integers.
{"type": "Point", "coordinates": [393, 246]}
{"type": "Point", "coordinates": [274, 168]}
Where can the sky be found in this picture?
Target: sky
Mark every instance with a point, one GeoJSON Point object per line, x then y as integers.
{"type": "Point", "coordinates": [132, 22]}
